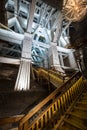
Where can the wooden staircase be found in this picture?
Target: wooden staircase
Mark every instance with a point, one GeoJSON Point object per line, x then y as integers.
{"type": "Point", "coordinates": [57, 79]}
{"type": "Point", "coordinates": [64, 109]}
{"type": "Point", "coordinates": [76, 117]}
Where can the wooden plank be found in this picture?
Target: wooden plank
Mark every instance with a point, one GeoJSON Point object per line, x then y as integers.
{"type": "Point", "coordinates": [78, 114]}
{"type": "Point", "coordinates": [80, 108]}
{"type": "Point", "coordinates": [76, 124]}
{"type": "Point", "coordinates": [13, 119]}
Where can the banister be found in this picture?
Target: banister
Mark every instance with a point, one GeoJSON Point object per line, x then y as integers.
{"type": "Point", "coordinates": [53, 77]}
{"type": "Point", "coordinates": [57, 108]}
{"type": "Point", "coordinates": [49, 98]}
{"type": "Point", "coordinates": [10, 120]}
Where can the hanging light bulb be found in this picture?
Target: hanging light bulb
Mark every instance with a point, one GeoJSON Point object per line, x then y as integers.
{"type": "Point", "coordinates": [74, 10]}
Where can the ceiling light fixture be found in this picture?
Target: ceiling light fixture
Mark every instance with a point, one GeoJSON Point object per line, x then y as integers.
{"type": "Point", "coordinates": [74, 10]}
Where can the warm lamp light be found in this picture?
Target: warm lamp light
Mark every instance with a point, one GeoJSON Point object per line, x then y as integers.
{"type": "Point", "coordinates": [74, 10]}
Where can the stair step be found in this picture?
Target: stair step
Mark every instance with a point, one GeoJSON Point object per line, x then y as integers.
{"type": "Point", "coordinates": [80, 108]}
{"type": "Point", "coordinates": [85, 94]}
{"type": "Point", "coordinates": [78, 114]}
{"type": "Point", "coordinates": [84, 98]}
{"type": "Point", "coordinates": [67, 126]}
{"type": "Point", "coordinates": [82, 102]}
{"type": "Point", "coordinates": [14, 129]}
{"type": "Point", "coordinates": [75, 123]}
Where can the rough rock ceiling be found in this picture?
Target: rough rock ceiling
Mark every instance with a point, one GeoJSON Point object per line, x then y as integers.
{"type": "Point", "coordinates": [78, 33]}
{"type": "Point", "coordinates": [55, 3]}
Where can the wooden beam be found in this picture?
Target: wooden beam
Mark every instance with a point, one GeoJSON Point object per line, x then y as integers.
{"type": "Point", "coordinates": [9, 61]}
{"type": "Point", "coordinates": [31, 16]}
{"type": "Point", "coordinates": [13, 119]}
{"type": "Point", "coordinates": [59, 26]}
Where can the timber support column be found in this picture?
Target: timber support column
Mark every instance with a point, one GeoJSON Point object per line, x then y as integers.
{"type": "Point", "coordinates": [54, 60]}
{"type": "Point", "coordinates": [23, 78]}
{"type": "Point", "coordinates": [72, 60]}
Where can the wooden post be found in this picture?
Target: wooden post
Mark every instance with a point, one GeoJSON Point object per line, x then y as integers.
{"type": "Point", "coordinates": [23, 78]}
{"type": "Point", "coordinates": [31, 16]}
{"type": "Point", "coordinates": [53, 53]}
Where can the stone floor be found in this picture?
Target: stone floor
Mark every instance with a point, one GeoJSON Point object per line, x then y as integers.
{"type": "Point", "coordinates": [14, 103]}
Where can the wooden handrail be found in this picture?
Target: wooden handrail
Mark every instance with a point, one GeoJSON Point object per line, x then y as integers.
{"type": "Point", "coordinates": [53, 115]}
{"type": "Point", "coordinates": [10, 120]}
{"type": "Point", "coordinates": [49, 98]}
{"type": "Point", "coordinates": [54, 79]}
